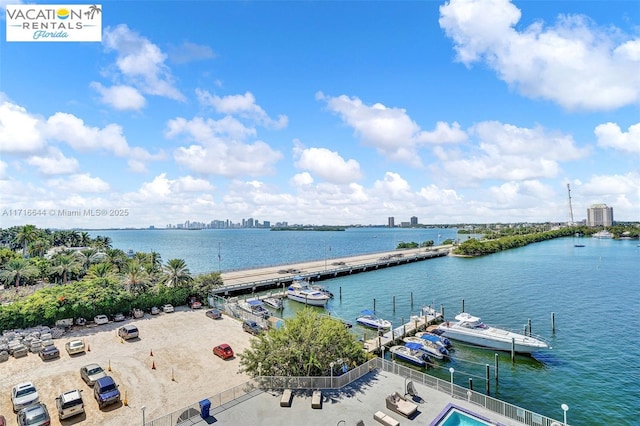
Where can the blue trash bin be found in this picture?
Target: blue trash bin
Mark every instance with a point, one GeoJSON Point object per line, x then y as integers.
{"type": "Point", "coordinates": [205, 405]}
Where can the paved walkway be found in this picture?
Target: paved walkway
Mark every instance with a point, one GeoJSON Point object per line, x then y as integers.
{"type": "Point", "coordinates": [347, 406]}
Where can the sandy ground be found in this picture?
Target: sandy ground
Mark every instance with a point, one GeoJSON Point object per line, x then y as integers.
{"type": "Point", "coordinates": [180, 344]}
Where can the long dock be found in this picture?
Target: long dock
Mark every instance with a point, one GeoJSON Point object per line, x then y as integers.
{"type": "Point", "coordinates": [416, 323]}
{"type": "Point", "coordinates": [259, 279]}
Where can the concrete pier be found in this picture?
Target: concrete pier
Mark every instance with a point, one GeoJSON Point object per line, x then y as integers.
{"type": "Point", "coordinates": [259, 279]}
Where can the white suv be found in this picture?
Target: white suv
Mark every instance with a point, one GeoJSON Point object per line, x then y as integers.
{"type": "Point", "coordinates": [101, 319]}
{"type": "Point", "coordinates": [24, 395]}
{"type": "Point", "coordinates": [70, 404]}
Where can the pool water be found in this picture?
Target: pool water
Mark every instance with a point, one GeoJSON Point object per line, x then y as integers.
{"type": "Point", "coordinates": [456, 417]}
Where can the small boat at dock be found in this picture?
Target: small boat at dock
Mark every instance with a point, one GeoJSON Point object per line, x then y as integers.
{"type": "Point", "coordinates": [432, 347]}
{"type": "Point", "coordinates": [410, 352]}
{"type": "Point", "coordinates": [436, 335]}
{"type": "Point", "coordinates": [274, 302]}
{"type": "Point", "coordinates": [300, 291]}
{"type": "Point", "coordinates": [322, 290]}
{"type": "Point", "coordinates": [255, 307]}
{"type": "Point", "coordinates": [470, 329]}
{"type": "Point", "coordinates": [369, 319]}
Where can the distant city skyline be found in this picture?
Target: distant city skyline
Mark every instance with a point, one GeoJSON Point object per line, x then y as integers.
{"type": "Point", "coordinates": [454, 111]}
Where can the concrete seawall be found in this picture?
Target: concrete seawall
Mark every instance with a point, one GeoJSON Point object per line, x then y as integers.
{"type": "Point", "coordinates": [252, 280]}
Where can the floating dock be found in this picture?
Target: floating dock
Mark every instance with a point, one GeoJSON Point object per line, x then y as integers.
{"type": "Point", "coordinates": [389, 338]}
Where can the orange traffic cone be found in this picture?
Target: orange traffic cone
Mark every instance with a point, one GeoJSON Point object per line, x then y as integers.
{"type": "Point", "coordinates": [153, 365]}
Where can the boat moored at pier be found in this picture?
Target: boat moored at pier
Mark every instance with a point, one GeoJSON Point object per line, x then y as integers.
{"type": "Point", "coordinates": [369, 319]}
{"type": "Point", "coordinates": [300, 291]}
{"type": "Point", "coordinates": [470, 329]}
{"type": "Point", "coordinates": [410, 352]}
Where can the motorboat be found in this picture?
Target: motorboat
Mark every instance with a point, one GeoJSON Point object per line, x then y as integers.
{"type": "Point", "coordinates": [256, 307]}
{"type": "Point", "coordinates": [300, 291]}
{"type": "Point", "coordinates": [470, 329]}
{"type": "Point", "coordinates": [323, 290]}
{"type": "Point", "coordinates": [274, 302]}
{"type": "Point", "coordinates": [436, 334]}
{"type": "Point", "coordinates": [369, 319]}
{"type": "Point", "coordinates": [603, 235]}
{"type": "Point", "coordinates": [410, 352]}
{"type": "Point", "coordinates": [432, 347]}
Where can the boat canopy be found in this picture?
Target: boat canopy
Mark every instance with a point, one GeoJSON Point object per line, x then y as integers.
{"type": "Point", "coordinates": [413, 345]}
{"type": "Point", "coordinates": [368, 312]}
{"type": "Point", "coordinates": [430, 338]}
{"type": "Point", "coordinates": [254, 302]}
{"type": "Point", "coordinates": [465, 317]}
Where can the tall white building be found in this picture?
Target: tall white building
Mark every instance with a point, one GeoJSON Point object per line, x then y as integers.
{"type": "Point", "coordinates": [599, 215]}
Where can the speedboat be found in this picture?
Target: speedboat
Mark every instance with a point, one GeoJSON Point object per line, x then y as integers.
{"type": "Point", "coordinates": [436, 334]}
{"type": "Point", "coordinates": [369, 319]}
{"type": "Point", "coordinates": [470, 329]}
{"type": "Point", "coordinates": [432, 347]}
{"type": "Point", "coordinates": [410, 352]}
{"type": "Point", "coordinates": [256, 307]}
{"type": "Point", "coordinates": [300, 291]}
{"type": "Point", "coordinates": [274, 302]}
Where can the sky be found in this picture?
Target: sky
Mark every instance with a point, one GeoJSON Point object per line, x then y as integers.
{"type": "Point", "coordinates": [325, 112]}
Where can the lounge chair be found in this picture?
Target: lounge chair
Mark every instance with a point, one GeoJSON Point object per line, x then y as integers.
{"type": "Point", "coordinates": [399, 404]}
{"type": "Point", "coordinates": [285, 401]}
{"type": "Point", "coordinates": [385, 419]}
{"type": "Point", "coordinates": [316, 399]}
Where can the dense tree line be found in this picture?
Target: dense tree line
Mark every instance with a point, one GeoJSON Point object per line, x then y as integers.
{"type": "Point", "coordinates": [83, 277]}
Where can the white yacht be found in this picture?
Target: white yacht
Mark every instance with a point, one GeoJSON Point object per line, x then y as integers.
{"type": "Point", "coordinates": [300, 291]}
{"type": "Point", "coordinates": [433, 348]}
{"type": "Point", "coordinates": [410, 353]}
{"type": "Point", "coordinates": [470, 329]}
{"type": "Point", "coordinates": [369, 319]}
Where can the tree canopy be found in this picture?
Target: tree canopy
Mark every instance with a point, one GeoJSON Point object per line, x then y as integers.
{"type": "Point", "coordinates": [306, 345]}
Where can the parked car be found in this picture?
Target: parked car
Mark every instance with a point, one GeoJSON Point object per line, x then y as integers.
{"type": "Point", "coordinates": [49, 352]}
{"type": "Point", "coordinates": [214, 314]}
{"type": "Point", "coordinates": [128, 331]}
{"type": "Point", "coordinates": [75, 346]}
{"type": "Point", "coordinates": [35, 415]}
{"type": "Point", "coordinates": [196, 305]}
{"type": "Point", "coordinates": [106, 392]}
{"type": "Point", "coordinates": [101, 319]}
{"type": "Point", "coordinates": [252, 327]}
{"type": "Point", "coordinates": [91, 372]}
{"type": "Point", "coordinates": [24, 395]}
{"type": "Point", "coordinates": [118, 318]}
{"type": "Point", "coordinates": [3, 421]}
{"type": "Point", "coordinates": [224, 351]}
{"type": "Point", "coordinates": [70, 404]}
{"type": "Point", "coordinates": [167, 308]}
{"type": "Point", "coordinates": [155, 310]}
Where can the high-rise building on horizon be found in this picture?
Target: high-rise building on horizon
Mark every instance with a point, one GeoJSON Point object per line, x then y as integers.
{"type": "Point", "coordinates": [391, 221]}
{"type": "Point", "coordinates": [414, 221]}
{"type": "Point", "coordinates": [599, 215]}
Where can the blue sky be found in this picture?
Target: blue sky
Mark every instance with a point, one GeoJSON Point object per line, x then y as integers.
{"type": "Point", "coordinates": [326, 113]}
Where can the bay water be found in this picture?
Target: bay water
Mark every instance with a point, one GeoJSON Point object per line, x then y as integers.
{"type": "Point", "coordinates": [592, 291]}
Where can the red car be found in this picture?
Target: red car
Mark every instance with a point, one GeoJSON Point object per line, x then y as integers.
{"type": "Point", "coordinates": [224, 351]}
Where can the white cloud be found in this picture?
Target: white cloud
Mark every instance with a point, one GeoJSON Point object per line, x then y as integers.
{"type": "Point", "coordinates": [507, 152]}
{"type": "Point", "coordinates": [53, 162]}
{"type": "Point", "coordinates": [392, 187]}
{"type": "Point", "coordinates": [611, 136]}
{"type": "Point", "coordinates": [141, 62]}
{"type": "Point", "coordinates": [328, 165]}
{"type": "Point", "coordinates": [573, 63]}
{"type": "Point", "coordinates": [219, 152]}
{"type": "Point", "coordinates": [390, 130]}
{"type": "Point", "coordinates": [3, 170]}
{"type": "Point", "coordinates": [612, 185]}
{"type": "Point", "coordinates": [79, 183]}
{"type": "Point", "coordinates": [120, 97]}
{"type": "Point", "coordinates": [242, 105]}
{"type": "Point", "coordinates": [302, 179]}
{"type": "Point", "coordinates": [73, 131]}
{"type": "Point", "coordinates": [20, 132]}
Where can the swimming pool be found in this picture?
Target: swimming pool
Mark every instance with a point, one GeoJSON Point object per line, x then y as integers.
{"type": "Point", "coordinates": [453, 415]}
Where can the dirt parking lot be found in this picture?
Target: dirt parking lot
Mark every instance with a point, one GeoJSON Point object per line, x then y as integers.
{"type": "Point", "coordinates": [179, 344]}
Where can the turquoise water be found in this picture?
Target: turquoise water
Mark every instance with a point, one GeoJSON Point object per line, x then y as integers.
{"type": "Point", "coordinates": [458, 418]}
{"type": "Point", "coordinates": [593, 365]}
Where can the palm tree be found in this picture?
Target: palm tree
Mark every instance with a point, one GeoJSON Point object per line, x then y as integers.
{"type": "Point", "coordinates": [39, 247]}
{"type": "Point", "coordinates": [117, 258]}
{"type": "Point", "coordinates": [88, 257]}
{"type": "Point", "coordinates": [85, 239]}
{"type": "Point", "coordinates": [176, 273]}
{"type": "Point", "coordinates": [134, 276]}
{"type": "Point", "coordinates": [64, 264]}
{"type": "Point", "coordinates": [15, 269]}
{"type": "Point", "coordinates": [102, 243]}
{"type": "Point", "coordinates": [26, 235]}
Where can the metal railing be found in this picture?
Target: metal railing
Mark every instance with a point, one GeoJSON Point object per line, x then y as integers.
{"type": "Point", "coordinates": [255, 386]}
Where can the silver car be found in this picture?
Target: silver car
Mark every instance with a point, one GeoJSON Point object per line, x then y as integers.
{"type": "Point", "coordinates": [91, 372]}
{"type": "Point", "coordinates": [74, 347]}
{"type": "Point", "coordinates": [24, 395]}
{"type": "Point", "coordinates": [34, 415]}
